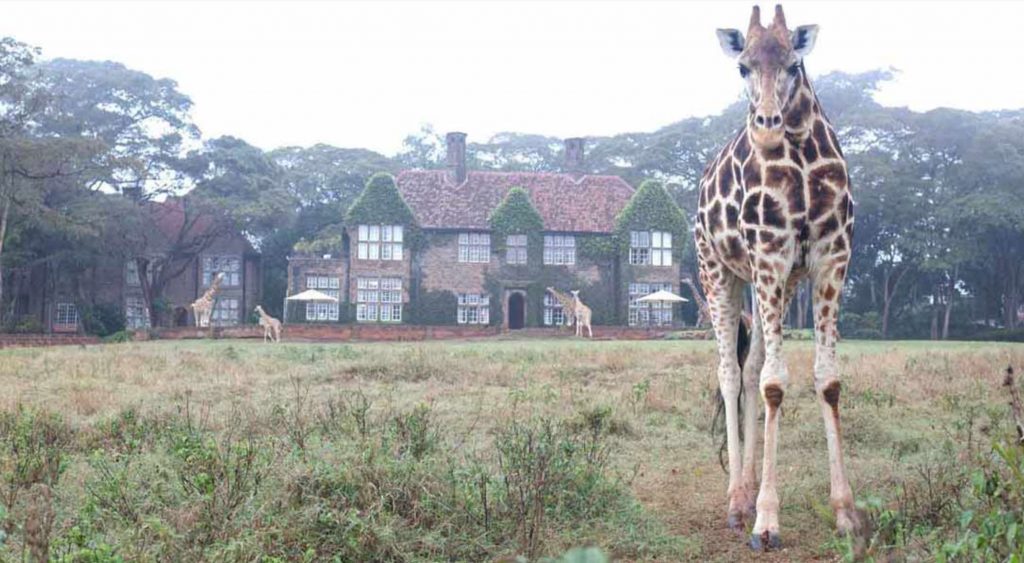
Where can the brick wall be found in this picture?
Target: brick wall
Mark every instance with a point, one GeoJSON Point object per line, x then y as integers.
{"type": "Point", "coordinates": [35, 340]}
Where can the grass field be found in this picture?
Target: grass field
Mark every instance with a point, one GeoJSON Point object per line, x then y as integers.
{"type": "Point", "coordinates": [232, 450]}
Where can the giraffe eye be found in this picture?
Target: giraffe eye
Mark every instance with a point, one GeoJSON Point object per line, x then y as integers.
{"type": "Point", "coordinates": [744, 71]}
{"type": "Point", "coordinates": [794, 69]}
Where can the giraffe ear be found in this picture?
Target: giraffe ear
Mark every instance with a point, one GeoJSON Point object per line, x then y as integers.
{"type": "Point", "coordinates": [732, 42]}
{"type": "Point", "coordinates": [803, 39]}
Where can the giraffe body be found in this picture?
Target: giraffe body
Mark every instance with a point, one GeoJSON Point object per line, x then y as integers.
{"type": "Point", "coordinates": [582, 313]}
{"type": "Point", "coordinates": [774, 208]}
{"type": "Point", "coordinates": [271, 326]}
{"type": "Point", "coordinates": [202, 308]}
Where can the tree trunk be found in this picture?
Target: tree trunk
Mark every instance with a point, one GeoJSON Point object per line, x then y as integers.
{"type": "Point", "coordinates": [3, 236]}
{"type": "Point", "coordinates": [934, 334]}
{"type": "Point", "coordinates": [950, 293]}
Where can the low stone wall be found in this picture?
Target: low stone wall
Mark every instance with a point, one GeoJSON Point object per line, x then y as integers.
{"type": "Point", "coordinates": [35, 340]}
{"type": "Point", "coordinates": [329, 333]}
{"type": "Point", "coordinates": [393, 333]}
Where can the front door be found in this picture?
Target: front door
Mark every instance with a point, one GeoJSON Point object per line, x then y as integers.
{"type": "Point", "coordinates": [516, 311]}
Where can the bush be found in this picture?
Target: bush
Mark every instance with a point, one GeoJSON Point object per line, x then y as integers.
{"type": "Point", "coordinates": [1001, 335]}
{"type": "Point", "coordinates": [103, 319]}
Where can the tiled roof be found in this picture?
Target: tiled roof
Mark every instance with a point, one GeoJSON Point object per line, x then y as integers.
{"type": "Point", "coordinates": [169, 219]}
{"type": "Point", "coordinates": [585, 204]}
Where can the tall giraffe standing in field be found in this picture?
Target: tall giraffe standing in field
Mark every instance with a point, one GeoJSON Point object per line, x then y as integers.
{"type": "Point", "coordinates": [775, 207]}
{"type": "Point", "coordinates": [271, 326]}
{"type": "Point", "coordinates": [582, 314]}
{"type": "Point", "coordinates": [202, 308]}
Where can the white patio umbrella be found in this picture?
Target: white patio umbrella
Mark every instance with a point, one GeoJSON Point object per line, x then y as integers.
{"type": "Point", "coordinates": [662, 296]}
{"type": "Point", "coordinates": [310, 295]}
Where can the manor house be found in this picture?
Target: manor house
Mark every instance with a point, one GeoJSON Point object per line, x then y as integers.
{"type": "Point", "coordinates": [448, 264]}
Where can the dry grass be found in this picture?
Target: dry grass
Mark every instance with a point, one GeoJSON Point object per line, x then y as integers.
{"type": "Point", "coordinates": [905, 406]}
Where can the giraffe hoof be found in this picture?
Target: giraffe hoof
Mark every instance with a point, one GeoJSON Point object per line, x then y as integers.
{"type": "Point", "coordinates": [765, 541]}
{"type": "Point", "coordinates": [735, 522]}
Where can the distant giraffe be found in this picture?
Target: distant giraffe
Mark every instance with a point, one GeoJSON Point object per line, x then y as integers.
{"type": "Point", "coordinates": [582, 314]}
{"type": "Point", "coordinates": [568, 305]}
{"type": "Point", "coordinates": [703, 314]}
{"type": "Point", "coordinates": [775, 207]}
{"type": "Point", "coordinates": [202, 308]}
{"type": "Point", "coordinates": [271, 326]}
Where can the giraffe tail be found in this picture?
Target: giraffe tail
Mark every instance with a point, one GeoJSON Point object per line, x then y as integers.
{"type": "Point", "coordinates": [718, 426]}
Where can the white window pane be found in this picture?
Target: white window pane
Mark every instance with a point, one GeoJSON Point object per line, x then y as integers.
{"type": "Point", "coordinates": [374, 233]}
{"type": "Point", "coordinates": [364, 252]}
{"type": "Point", "coordinates": [398, 233]}
{"type": "Point", "coordinates": [666, 240]}
{"type": "Point", "coordinates": [364, 233]}
{"type": "Point", "coordinates": [396, 251]}
{"type": "Point", "coordinates": [385, 252]}
{"type": "Point", "coordinates": [666, 258]}
{"type": "Point", "coordinates": [656, 239]}
{"type": "Point", "coordinates": [374, 251]}
{"type": "Point", "coordinates": [463, 238]}
{"type": "Point", "coordinates": [656, 258]}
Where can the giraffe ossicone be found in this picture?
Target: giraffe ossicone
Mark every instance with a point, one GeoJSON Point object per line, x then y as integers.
{"type": "Point", "coordinates": [775, 208]}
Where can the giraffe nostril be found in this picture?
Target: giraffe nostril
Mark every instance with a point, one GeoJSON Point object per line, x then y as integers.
{"type": "Point", "coordinates": [759, 120]}
{"type": "Point", "coordinates": [777, 120]}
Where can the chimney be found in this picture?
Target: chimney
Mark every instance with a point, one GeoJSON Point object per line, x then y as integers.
{"type": "Point", "coordinates": [457, 156]}
{"type": "Point", "coordinates": [574, 155]}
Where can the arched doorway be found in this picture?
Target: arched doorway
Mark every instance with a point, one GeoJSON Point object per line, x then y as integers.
{"type": "Point", "coordinates": [516, 311]}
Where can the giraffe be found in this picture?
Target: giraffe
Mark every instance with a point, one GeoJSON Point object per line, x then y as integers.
{"type": "Point", "coordinates": [271, 326]}
{"type": "Point", "coordinates": [703, 315]}
{"type": "Point", "coordinates": [775, 207]}
{"type": "Point", "coordinates": [202, 308]}
{"type": "Point", "coordinates": [568, 305]}
{"type": "Point", "coordinates": [582, 314]}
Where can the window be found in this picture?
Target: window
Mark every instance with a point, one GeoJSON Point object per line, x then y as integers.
{"type": "Point", "coordinates": [225, 312]}
{"type": "Point", "coordinates": [131, 273]}
{"type": "Point", "coordinates": [328, 285]}
{"type": "Point", "coordinates": [379, 299]}
{"type": "Point", "coordinates": [515, 249]}
{"type": "Point", "coordinates": [379, 242]}
{"type": "Point", "coordinates": [648, 314]}
{"type": "Point", "coordinates": [559, 250]}
{"type": "Point", "coordinates": [475, 247]}
{"type": "Point", "coordinates": [650, 248]}
{"type": "Point", "coordinates": [230, 266]}
{"type": "Point", "coordinates": [136, 315]}
{"type": "Point", "coordinates": [474, 309]}
{"type": "Point", "coordinates": [554, 315]}
{"type": "Point", "coordinates": [66, 314]}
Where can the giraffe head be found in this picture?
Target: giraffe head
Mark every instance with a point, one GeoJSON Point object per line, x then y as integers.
{"type": "Point", "coordinates": [771, 63]}
{"type": "Point", "coordinates": [575, 293]}
{"type": "Point", "coordinates": [258, 310]}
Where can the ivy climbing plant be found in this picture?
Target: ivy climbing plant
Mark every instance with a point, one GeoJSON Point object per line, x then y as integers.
{"type": "Point", "coordinates": [516, 215]}
{"type": "Point", "coordinates": [381, 203]}
{"type": "Point", "coordinates": [651, 209]}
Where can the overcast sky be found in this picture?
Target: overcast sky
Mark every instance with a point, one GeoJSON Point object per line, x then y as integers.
{"type": "Point", "coordinates": [358, 74]}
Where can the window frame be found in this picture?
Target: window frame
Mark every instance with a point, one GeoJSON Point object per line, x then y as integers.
{"type": "Point", "coordinates": [517, 249]}
{"type": "Point", "coordinates": [217, 263]}
{"type": "Point", "coordinates": [379, 299]}
{"type": "Point", "coordinates": [473, 247]}
{"type": "Point", "coordinates": [473, 309]}
{"type": "Point", "coordinates": [559, 250]}
{"type": "Point", "coordinates": [380, 242]}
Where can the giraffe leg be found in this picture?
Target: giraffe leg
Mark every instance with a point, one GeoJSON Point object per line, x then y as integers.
{"type": "Point", "coordinates": [724, 291]}
{"type": "Point", "coordinates": [771, 285]}
{"type": "Point", "coordinates": [828, 286]}
{"type": "Point", "coordinates": [751, 373]}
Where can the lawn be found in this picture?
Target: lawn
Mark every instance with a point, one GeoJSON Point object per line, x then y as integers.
{"type": "Point", "coordinates": [474, 450]}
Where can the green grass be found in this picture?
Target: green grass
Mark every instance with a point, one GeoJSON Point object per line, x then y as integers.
{"type": "Point", "coordinates": [234, 450]}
